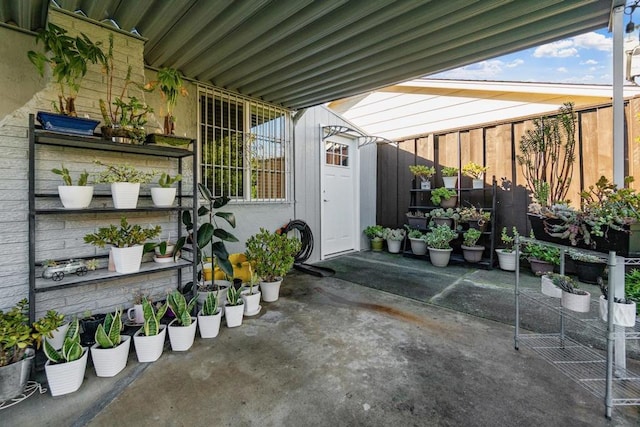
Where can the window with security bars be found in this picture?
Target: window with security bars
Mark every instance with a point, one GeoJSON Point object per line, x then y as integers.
{"type": "Point", "coordinates": [244, 147]}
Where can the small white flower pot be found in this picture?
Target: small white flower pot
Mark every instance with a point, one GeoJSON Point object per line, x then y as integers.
{"type": "Point", "coordinates": [234, 315]}
{"type": "Point", "coordinates": [394, 246]}
{"type": "Point", "coordinates": [270, 290]}
{"type": "Point", "coordinates": [439, 257]}
{"type": "Point", "coordinates": [65, 378]}
{"type": "Point", "coordinates": [127, 260]}
{"type": "Point", "coordinates": [623, 314]}
{"type": "Point", "coordinates": [506, 260]}
{"type": "Point", "coordinates": [548, 288]}
{"type": "Point", "coordinates": [450, 181]}
{"type": "Point", "coordinates": [209, 326]}
{"type": "Point", "coordinates": [251, 301]}
{"type": "Point", "coordinates": [125, 194]}
{"type": "Point", "coordinates": [149, 348]}
{"type": "Point", "coordinates": [163, 197]}
{"type": "Point", "coordinates": [477, 183]}
{"type": "Point", "coordinates": [425, 184]}
{"type": "Point", "coordinates": [109, 362]}
{"type": "Point", "coordinates": [575, 302]}
{"type": "Point", "coordinates": [58, 336]}
{"type": "Point", "coordinates": [75, 196]}
{"type": "Point", "coordinates": [418, 246]}
{"type": "Point", "coordinates": [182, 337]}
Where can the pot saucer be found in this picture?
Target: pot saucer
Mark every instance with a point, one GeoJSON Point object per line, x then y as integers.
{"type": "Point", "coordinates": [132, 324]}
{"type": "Point", "coordinates": [163, 260]}
{"type": "Point", "coordinates": [254, 312]}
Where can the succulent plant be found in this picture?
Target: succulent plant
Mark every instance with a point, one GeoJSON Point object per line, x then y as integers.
{"type": "Point", "coordinates": [71, 349]}
{"type": "Point", "coordinates": [152, 317]}
{"type": "Point", "coordinates": [210, 306]}
{"type": "Point", "coordinates": [233, 296]}
{"type": "Point", "coordinates": [108, 333]}
{"type": "Point", "coordinates": [180, 307]}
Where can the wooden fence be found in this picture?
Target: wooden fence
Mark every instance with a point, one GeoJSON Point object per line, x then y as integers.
{"type": "Point", "coordinates": [496, 145]}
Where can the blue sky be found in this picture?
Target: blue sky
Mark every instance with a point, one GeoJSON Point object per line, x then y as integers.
{"type": "Point", "coordinates": [585, 59]}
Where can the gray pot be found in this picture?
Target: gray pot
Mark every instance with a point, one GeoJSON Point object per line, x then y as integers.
{"type": "Point", "coordinates": [14, 377]}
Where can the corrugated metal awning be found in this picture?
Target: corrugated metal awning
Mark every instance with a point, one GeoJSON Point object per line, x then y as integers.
{"type": "Point", "coordinates": [300, 53]}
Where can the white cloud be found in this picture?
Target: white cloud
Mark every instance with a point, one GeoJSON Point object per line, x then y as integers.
{"type": "Point", "coordinates": [593, 40]}
{"type": "Point", "coordinates": [570, 47]}
{"type": "Point", "coordinates": [589, 62]}
{"type": "Point", "coordinates": [559, 49]}
{"type": "Point", "coordinates": [514, 63]}
{"type": "Point", "coordinates": [562, 70]}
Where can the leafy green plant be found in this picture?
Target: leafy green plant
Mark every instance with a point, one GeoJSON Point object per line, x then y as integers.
{"type": "Point", "coordinates": [449, 171]}
{"type": "Point", "coordinates": [171, 84]}
{"type": "Point", "coordinates": [124, 236]}
{"type": "Point", "coordinates": [541, 252]}
{"type": "Point", "coordinates": [393, 233]}
{"type": "Point", "coordinates": [632, 286]}
{"type": "Point", "coordinates": [445, 213]}
{"type": "Point", "coordinates": [166, 181]}
{"type": "Point", "coordinates": [233, 296]}
{"type": "Point", "coordinates": [374, 231]}
{"type": "Point", "coordinates": [585, 257]}
{"type": "Point", "coordinates": [254, 280]}
{"type": "Point", "coordinates": [567, 284]}
{"type": "Point", "coordinates": [71, 349]}
{"type": "Point", "coordinates": [471, 237]}
{"type": "Point", "coordinates": [508, 240]}
{"type": "Point", "coordinates": [422, 171]}
{"type": "Point", "coordinates": [472, 214]}
{"type": "Point", "coordinates": [108, 332]}
{"type": "Point", "coordinates": [66, 176]}
{"type": "Point", "coordinates": [441, 193]}
{"type": "Point", "coordinates": [181, 308]}
{"type": "Point", "coordinates": [152, 317]}
{"type": "Point", "coordinates": [413, 233]}
{"type": "Point", "coordinates": [272, 254]}
{"type": "Point", "coordinates": [474, 170]}
{"type": "Point", "coordinates": [68, 58]}
{"type": "Point", "coordinates": [210, 306]}
{"type": "Point", "coordinates": [440, 237]}
{"type": "Point", "coordinates": [122, 173]}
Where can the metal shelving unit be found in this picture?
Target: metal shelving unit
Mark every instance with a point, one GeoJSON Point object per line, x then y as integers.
{"type": "Point", "coordinates": [596, 372]}
{"type": "Point", "coordinates": [38, 137]}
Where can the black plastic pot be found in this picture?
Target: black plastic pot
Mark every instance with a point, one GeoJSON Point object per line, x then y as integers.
{"type": "Point", "coordinates": [88, 327]}
{"type": "Point", "coordinates": [588, 272]}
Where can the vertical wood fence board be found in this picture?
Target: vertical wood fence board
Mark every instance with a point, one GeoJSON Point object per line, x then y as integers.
{"type": "Point", "coordinates": [633, 141]}
{"type": "Point", "coordinates": [604, 145]}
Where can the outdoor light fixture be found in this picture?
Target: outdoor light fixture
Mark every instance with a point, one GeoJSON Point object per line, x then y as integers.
{"type": "Point", "coordinates": [628, 10]}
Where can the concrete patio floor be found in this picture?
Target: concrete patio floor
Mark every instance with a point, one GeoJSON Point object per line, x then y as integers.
{"type": "Point", "coordinates": [331, 352]}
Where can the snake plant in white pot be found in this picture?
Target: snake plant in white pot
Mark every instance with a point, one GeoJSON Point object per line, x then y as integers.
{"type": "Point", "coordinates": [111, 350]}
{"type": "Point", "coordinates": [65, 368]}
{"type": "Point", "coordinates": [149, 340]}
{"type": "Point", "coordinates": [234, 307]}
{"type": "Point", "coordinates": [182, 329]}
{"type": "Point", "coordinates": [251, 295]}
{"type": "Point", "coordinates": [209, 317]}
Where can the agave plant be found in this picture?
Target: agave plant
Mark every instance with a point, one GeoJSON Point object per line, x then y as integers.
{"type": "Point", "coordinates": [233, 296]}
{"type": "Point", "coordinates": [71, 349]}
{"type": "Point", "coordinates": [210, 306]}
{"type": "Point", "coordinates": [180, 307]}
{"type": "Point", "coordinates": [108, 333]}
{"type": "Point", "coordinates": [152, 317]}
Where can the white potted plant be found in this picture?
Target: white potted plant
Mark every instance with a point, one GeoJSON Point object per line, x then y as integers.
{"type": "Point", "coordinates": [507, 255]}
{"type": "Point", "coordinates": [164, 195]}
{"type": "Point", "coordinates": [471, 251]}
{"type": "Point", "coordinates": [273, 255]}
{"type": "Point", "coordinates": [209, 317]}
{"type": "Point", "coordinates": [65, 368]}
{"type": "Point", "coordinates": [548, 288]}
{"type": "Point", "coordinates": [111, 350]}
{"type": "Point", "coordinates": [394, 238]}
{"type": "Point", "coordinates": [149, 340]}
{"type": "Point", "coordinates": [74, 196]}
{"type": "Point", "coordinates": [438, 241]}
{"type": "Point", "coordinates": [417, 240]}
{"type": "Point", "coordinates": [424, 173]}
{"type": "Point", "coordinates": [572, 298]}
{"type": "Point", "coordinates": [234, 308]}
{"type": "Point", "coordinates": [250, 296]}
{"type": "Point", "coordinates": [445, 197]}
{"type": "Point", "coordinates": [450, 176]}
{"type": "Point", "coordinates": [126, 243]}
{"type": "Point", "coordinates": [624, 309]}
{"type": "Point", "coordinates": [182, 329]}
{"type": "Point", "coordinates": [164, 251]}
{"type": "Point", "coordinates": [125, 183]}
{"type": "Point", "coordinates": [476, 173]}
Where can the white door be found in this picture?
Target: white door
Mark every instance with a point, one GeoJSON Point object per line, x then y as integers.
{"type": "Point", "coordinates": [339, 196]}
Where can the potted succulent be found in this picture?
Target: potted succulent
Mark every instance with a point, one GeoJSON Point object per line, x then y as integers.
{"type": "Point", "coordinates": [424, 173]}
{"type": "Point", "coordinates": [111, 350]}
{"type": "Point", "coordinates": [182, 329]}
{"type": "Point", "coordinates": [65, 368]}
{"type": "Point", "coordinates": [273, 255]}
{"type": "Point", "coordinates": [632, 286]}
{"type": "Point", "coordinates": [439, 244]}
{"type": "Point", "coordinates": [542, 258]}
{"type": "Point", "coordinates": [149, 339]}
{"type": "Point", "coordinates": [171, 85]}
{"type": "Point", "coordinates": [418, 243]}
{"type": "Point", "coordinates": [68, 58]}
{"type": "Point", "coordinates": [548, 288]}
{"type": "Point", "coordinates": [624, 309]}
{"type": "Point", "coordinates": [126, 243]}
{"type": "Point", "coordinates": [589, 267]}
{"type": "Point", "coordinates": [476, 173]}
{"type": "Point", "coordinates": [476, 218]}
{"type": "Point", "coordinates": [250, 296]}
{"type": "Point", "coordinates": [17, 341]}
{"type": "Point", "coordinates": [74, 196]}
{"type": "Point", "coordinates": [572, 298]}
{"type": "Point", "coordinates": [444, 197]}
{"type": "Point", "coordinates": [507, 255]}
{"type": "Point", "coordinates": [209, 317]}
{"type": "Point", "coordinates": [374, 232]}
{"type": "Point", "coordinates": [234, 307]}
{"type": "Point", "coordinates": [164, 195]}
{"type": "Point", "coordinates": [125, 183]}
{"type": "Point", "coordinates": [450, 176]}
{"type": "Point", "coordinates": [394, 238]}
{"type": "Point", "coordinates": [471, 251]}
{"type": "Point", "coordinates": [442, 216]}
{"type": "Point", "coordinates": [416, 219]}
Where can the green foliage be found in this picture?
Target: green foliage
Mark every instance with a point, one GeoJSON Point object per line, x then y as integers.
{"type": "Point", "coordinates": [16, 334]}
{"type": "Point", "coordinates": [123, 237]}
{"type": "Point", "coordinates": [71, 349]}
{"type": "Point", "coordinates": [541, 252]}
{"type": "Point", "coordinates": [422, 171]}
{"type": "Point", "coordinates": [108, 333]}
{"type": "Point", "coordinates": [449, 171]}
{"type": "Point", "coordinates": [171, 85]}
{"type": "Point", "coordinates": [632, 287]}
{"type": "Point", "coordinates": [567, 284]}
{"type": "Point", "coordinates": [374, 231]}
{"type": "Point", "coordinates": [152, 317]}
{"type": "Point", "coordinates": [66, 176]}
{"type": "Point", "coordinates": [547, 156]}
{"type": "Point", "coordinates": [210, 306]}
{"type": "Point", "coordinates": [473, 214]}
{"type": "Point", "coordinates": [393, 233]}
{"type": "Point", "coordinates": [122, 173]}
{"type": "Point", "coordinates": [440, 237]}
{"type": "Point", "coordinates": [180, 307]}
{"type": "Point", "coordinates": [272, 254]}
{"type": "Point", "coordinates": [68, 58]}
{"type": "Point", "coordinates": [474, 170]}
{"type": "Point", "coordinates": [233, 296]}
{"type": "Point", "coordinates": [508, 240]}
{"type": "Point", "coordinates": [413, 233]}
{"type": "Point", "coordinates": [585, 257]}
{"type": "Point", "coordinates": [445, 213]}
{"type": "Point", "coordinates": [471, 237]}
{"type": "Point", "coordinates": [441, 193]}
{"type": "Point", "coordinates": [166, 181]}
